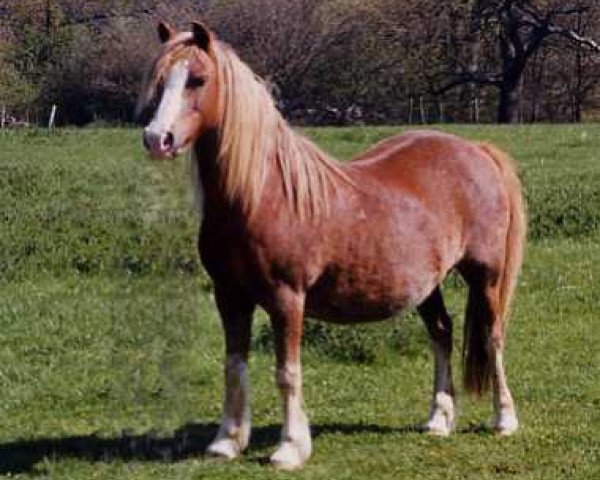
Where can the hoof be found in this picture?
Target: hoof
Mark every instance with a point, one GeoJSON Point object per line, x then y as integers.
{"type": "Point", "coordinates": [506, 424]}
{"type": "Point", "coordinates": [225, 448]}
{"type": "Point", "coordinates": [290, 456]}
{"type": "Point", "coordinates": [441, 418]}
{"type": "Point", "coordinates": [439, 424]}
{"type": "Point", "coordinates": [438, 429]}
{"type": "Point", "coordinates": [436, 432]}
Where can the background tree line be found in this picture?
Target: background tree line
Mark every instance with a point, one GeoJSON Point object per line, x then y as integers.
{"type": "Point", "coordinates": [334, 61]}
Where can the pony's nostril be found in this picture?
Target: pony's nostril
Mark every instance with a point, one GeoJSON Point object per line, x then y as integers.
{"type": "Point", "coordinates": [158, 142]}
{"type": "Point", "coordinates": [167, 141]}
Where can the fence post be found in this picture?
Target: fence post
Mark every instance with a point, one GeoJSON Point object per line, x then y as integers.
{"type": "Point", "coordinates": [422, 110]}
{"type": "Point", "coordinates": [410, 111]}
{"type": "Point", "coordinates": [52, 118]}
{"type": "Point", "coordinates": [3, 117]}
{"type": "Point", "coordinates": [476, 110]}
{"type": "Point", "coordinates": [441, 106]}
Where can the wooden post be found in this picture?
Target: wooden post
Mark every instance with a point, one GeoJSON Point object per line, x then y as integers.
{"type": "Point", "coordinates": [52, 118]}
{"type": "Point", "coordinates": [422, 110]}
{"type": "Point", "coordinates": [441, 106]}
{"type": "Point", "coordinates": [410, 110]}
{"type": "Point", "coordinates": [475, 110]}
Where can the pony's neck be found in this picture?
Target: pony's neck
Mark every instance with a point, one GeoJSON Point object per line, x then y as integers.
{"type": "Point", "coordinates": [305, 176]}
{"type": "Point", "coordinates": [254, 149]}
{"type": "Point", "coordinates": [207, 178]}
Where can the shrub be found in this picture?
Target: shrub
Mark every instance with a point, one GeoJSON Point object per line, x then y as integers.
{"type": "Point", "coordinates": [566, 209]}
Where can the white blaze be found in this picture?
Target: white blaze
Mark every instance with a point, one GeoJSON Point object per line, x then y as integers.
{"type": "Point", "coordinates": [172, 99]}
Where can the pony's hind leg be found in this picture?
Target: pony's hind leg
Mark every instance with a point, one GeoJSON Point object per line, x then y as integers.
{"type": "Point", "coordinates": [286, 315]}
{"type": "Point", "coordinates": [439, 327]}
{"type": "Point", "coordinates": [234, 432]}
{"type": "Point", "coordinates": [484, 345]}
{"type": "Point", "coordinates": [505, 422]}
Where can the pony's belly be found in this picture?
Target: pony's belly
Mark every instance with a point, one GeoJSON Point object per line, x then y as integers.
{"type": "Point", "coordinates": [341, 300]}
{"type": "Point", "coordinates": [352, 312]}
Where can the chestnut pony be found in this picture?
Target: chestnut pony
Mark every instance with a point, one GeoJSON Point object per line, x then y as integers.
{"type": "Point", "coordinates": [287, 228]}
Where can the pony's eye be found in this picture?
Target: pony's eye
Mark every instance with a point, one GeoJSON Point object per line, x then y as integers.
{"type": "Point", "coordinates": [194, 82]}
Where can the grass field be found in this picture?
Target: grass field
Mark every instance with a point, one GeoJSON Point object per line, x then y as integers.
{"type": "Point", "coordinates": [110, 346]}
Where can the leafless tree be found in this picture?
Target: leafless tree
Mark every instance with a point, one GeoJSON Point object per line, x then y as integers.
{"type": "Point", "coordinates": [284, 40]}
{"type": "Point", "coordinates": [520, 28]}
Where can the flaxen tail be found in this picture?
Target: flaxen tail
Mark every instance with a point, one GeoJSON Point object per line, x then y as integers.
{"type": "Point", "coordinates": [478, 364]}
{"type": "Point", "coordinates": [517, 229]}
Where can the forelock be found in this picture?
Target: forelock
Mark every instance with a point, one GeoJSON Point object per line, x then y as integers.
{"type": "Point", "coordinates": [180, 49]}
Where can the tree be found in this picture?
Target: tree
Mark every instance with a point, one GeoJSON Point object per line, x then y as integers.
{"type": "Point", "coordinates": [15, 92]}
{"type": "Point", "coordinates": [286, 40]}
{"type": "Point", "coordinates": [520, 28]}
{"type": "Point", "coordinates": [329, 61]}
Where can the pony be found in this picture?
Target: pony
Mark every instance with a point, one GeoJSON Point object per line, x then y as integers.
{"type": "Point", "coordinates": [287, 228]}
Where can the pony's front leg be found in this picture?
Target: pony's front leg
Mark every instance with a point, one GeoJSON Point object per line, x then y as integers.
{"type": "Point", "coordinates": [234, 431]}
{"type": "Point", "coordinates": [287, 317]}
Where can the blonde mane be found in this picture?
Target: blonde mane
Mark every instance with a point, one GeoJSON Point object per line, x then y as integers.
{"type": "Point", "coordinates": [252, 131]}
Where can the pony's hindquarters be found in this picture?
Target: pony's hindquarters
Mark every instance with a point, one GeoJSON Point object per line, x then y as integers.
{"type": "Point", "coordinates": [489, 301]}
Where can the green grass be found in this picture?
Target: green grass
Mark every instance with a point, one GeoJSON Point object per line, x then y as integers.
{"type": "Point", "coordinates": [110, 346]}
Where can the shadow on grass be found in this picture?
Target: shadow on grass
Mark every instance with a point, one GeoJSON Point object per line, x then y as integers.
{"type": "Point", "coordinates": [479, 428]}
{"type": "Point", "coordinates": [190, 440]}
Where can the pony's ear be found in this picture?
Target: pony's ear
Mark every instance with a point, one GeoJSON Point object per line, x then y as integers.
{"type": "Point", "coordinates": [202, 35]}
{"type": "Point", "coordinates": [165, 32]}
